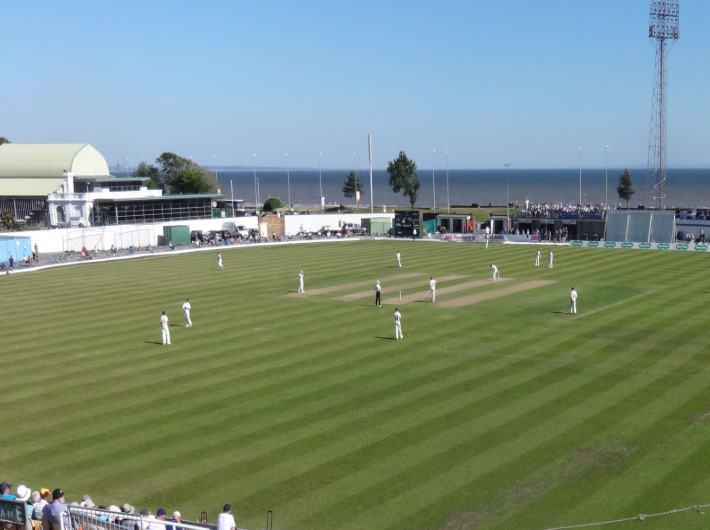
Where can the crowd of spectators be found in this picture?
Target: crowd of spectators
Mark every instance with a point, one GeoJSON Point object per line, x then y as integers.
{"type": "Point", "coordinates": [560, 209]}
{"type": "Point", "coordinates": [43, 513]}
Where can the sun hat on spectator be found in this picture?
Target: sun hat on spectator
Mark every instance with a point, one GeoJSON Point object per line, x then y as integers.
{"type": "Point", "coordinates": [86, 501]}
{"type": "Point", "coordinates": [44, 492]}
{"type": "Point", "coordinates": [23, 493]}
{"type": "Point", "coordinates": [127, 508]}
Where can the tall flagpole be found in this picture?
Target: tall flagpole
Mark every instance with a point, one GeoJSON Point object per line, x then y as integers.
{"type": "Point", "coordinates": [369, 155]}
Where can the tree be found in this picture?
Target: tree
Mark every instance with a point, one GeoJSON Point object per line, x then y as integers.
{"type": "Point", "coordinates": [352, 185]}
{"type": "Point", "coordinates": [403, 177]}
{"type": "Point", "coordinates": [625, 188]}
{"type": "Point", "coordinates": [8, 220]}
{"type": "Point", "coordinates": [182, 175]}
{"type": "Point", "coordinates": [273, 203]}
{"type": "Point", "coordinates": [156, 181]}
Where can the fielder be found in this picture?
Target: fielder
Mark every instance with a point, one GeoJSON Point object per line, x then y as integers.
{"type": "Point", "coordinates": [397, 324]}
{"type": "Point", "coordinates": [300, 282]}
{"type": "Point", "coordinates": [495, 271]}
{"type": "Point", "coordinates": [573, 302]}
{"type": "Point", "coordinates": [378, 294]}
{"type": "Point", "coordinates": [399, 260]}
{"type": "Point", "coordinates": [187, 307]}
{"type": "Point", "coordinates": [165, 329]}
{"type": "Point", "coordinates": [432, 289]}
{"type": "Point", "coordinates": [537, 258]}
{"type": "Point", "coordinates": [219, 261]}
{"type": "Point", "coordinates": [550, 259]}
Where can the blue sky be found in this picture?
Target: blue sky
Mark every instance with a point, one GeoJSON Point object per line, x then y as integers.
{"type": "Point", "coordinates": [520, 81]}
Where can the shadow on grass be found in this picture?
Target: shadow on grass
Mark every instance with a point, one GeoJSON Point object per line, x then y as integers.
{"type": "Point", "coordinates": [153, 342]}
{"type": "Point", "coordinates": [386, 338]}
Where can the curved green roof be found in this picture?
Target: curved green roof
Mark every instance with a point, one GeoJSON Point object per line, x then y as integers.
{"type": "Point", "coordinates": [50, 160]}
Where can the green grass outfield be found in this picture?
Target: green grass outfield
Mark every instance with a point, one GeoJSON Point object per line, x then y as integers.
{"type": "Point", "coordinates": [500, 411]}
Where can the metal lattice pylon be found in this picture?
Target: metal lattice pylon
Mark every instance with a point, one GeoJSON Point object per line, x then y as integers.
{"type": "Point", "coordinates": [663, 29]}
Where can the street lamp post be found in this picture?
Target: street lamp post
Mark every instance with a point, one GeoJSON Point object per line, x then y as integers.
{"type": "Point", "coordinates": [320, 181]}
{"type": "Point", "coordinates": [606, 179]}
{"type": "Point", "coordinates": [433, 179]}
{"type": "Point", "coordinates": [448, 200]}
{"type": "Point", "coordinates": [580, 177]}
{"type": "Point", "coordinates": [507, 196]}
{"type": "Point", "coordinates": [288, 181]}
{"type": "Point", "coordinates": [355, 173]}
{"type": "Point", "coordinates": [256, 182]}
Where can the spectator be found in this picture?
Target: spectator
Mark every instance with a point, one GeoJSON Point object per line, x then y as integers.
{"type": "Point", "coordinates": [86, 502]}
{"type": "Point", "coordinates": [23, 495]}
{"type": "Point", "coordinates": [177, 518]}
{"type": "Point", "coordinates": [226, 521]}
{"type": "Point", "coordinates": [127, 522]}
{"type": "Point", "coordinates": [146, 518]}
{"type": "Point", "coordinates": [158, 522]}
{"type": "Point", "coordinates": [35, 499]}
{"type": "Point", "coordinates": [5, 487]}
{"type": "Point", "coordinates": [39, 506]}
{"type": "Point", "coordinates": [56, 512]}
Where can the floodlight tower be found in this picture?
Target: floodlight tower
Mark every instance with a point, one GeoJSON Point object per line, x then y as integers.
{"type": "Point", "coordinates": [663, 29]}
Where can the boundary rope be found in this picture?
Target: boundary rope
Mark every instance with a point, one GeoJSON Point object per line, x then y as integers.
{"type": "Point", "coordinates": [639, 517]}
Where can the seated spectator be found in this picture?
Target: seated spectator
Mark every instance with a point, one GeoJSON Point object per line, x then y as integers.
{"type": "Point", "coordinates": [158, 522]}
{"type": "Point", "coordinates": [39, 506]}
{"type": "Point", "coordinates": [86, 502]}
{"type": "Point", "coordinates": [177, 518]}
{"type": "Point", "coordinates": [23, 495]}
{"type": "Point", "coordinates": [5, 487]}
{"type": "Point", "coordinates": [35, 498]}
{"type": "Point", "coordinates": [114, 510]}
{"type": "Point", "coordinates": [127, 522]}
{"type": "Point", "coordinates": [56, 512]}
{"type": "Point", "coordinates": [146, 517]}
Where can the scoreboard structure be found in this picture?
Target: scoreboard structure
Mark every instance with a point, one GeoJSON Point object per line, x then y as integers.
{"type": "Point", "coordinates": [407, 224]}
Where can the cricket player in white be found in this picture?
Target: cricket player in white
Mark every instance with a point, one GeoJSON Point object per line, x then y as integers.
{"type": "Point", "coordinates": [432, 290]}
{"type": "Point", "coordinates": [399, 260]}
{"type": "Point", "coordinates": [537, 258]}
{"type": "Point", "coordinates": [300, 282]}
{"type": "Point", "coordinates": [165, 329]}
{"type": "Point", "coordinates": [378, 294]}
{"type": "Point", "coordinates": [187, 307]}
{"type": "Point", "coordinates": [495, 271]}
{"type": "Point", "coordinates": [573, 302]}
{"type": "Point", "coordinates": [550, 258]}
{"type": "Point", "coordinates": [397, 324]}
{"type": "Point", "coordinates": [219, 261]}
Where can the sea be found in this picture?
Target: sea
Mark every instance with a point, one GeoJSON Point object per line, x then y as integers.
{"type": "Point", "coordinates": [684, 188]}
